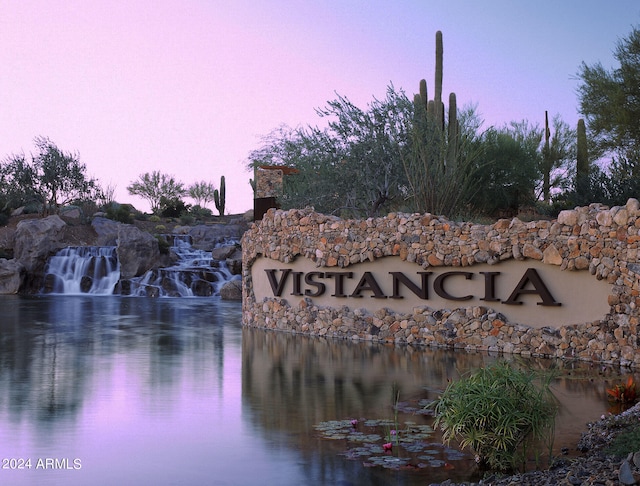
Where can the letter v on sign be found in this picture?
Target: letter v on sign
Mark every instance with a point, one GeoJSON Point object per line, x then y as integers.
{"type": "Point", "coordinates": [277, 286]}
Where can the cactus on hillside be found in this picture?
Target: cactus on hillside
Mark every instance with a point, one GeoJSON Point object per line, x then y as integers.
{"type": "Point", "coordinates": [442, 131]}
{"type": "Point", "coordinates": [438, 176]}
{"type": "Point", "coordinates": [220, 196]}
{"type": "Point", "coordinates": [582, 160]}
{"type": "Point", "coordinates": [437, 100]}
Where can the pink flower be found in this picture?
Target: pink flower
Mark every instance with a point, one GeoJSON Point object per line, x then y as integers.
{"type": "Point", "coordinates": [387, 447]}
{"type": "Point", "coordinates": [354, 422]}
{"type": "Point", "coordinates": [393, 432]}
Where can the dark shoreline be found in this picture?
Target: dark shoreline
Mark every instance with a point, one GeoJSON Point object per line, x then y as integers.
{"type": "Point", "coordinates": [594, 467]}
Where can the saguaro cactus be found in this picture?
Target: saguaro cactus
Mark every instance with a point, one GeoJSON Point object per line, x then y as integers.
{"type": "Point", "coordinates": [219, 197]}
{"type": "Point", "coordinates": [582, 160]}
{"type": "Point", "coordinates": [437, 100]}
{"type": "Point", "coordinates": [442, 131]}
{"type": "Point", "coordinates": [438, 176]}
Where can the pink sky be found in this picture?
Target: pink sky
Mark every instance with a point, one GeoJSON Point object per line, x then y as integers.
{"type": "Point", "coordinates": [188, 87]}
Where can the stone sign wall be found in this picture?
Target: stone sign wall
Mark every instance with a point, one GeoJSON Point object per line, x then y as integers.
{"type": "Point", "coordinates": [565, 288]}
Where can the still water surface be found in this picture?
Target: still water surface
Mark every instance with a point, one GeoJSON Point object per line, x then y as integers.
{"type": "Point", "coordinates": [112, 390]}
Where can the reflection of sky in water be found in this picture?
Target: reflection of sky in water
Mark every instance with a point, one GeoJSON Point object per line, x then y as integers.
{"type": "Point", "coordinates": [174, 391]}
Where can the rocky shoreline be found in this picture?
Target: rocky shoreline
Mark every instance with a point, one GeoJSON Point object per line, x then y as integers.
{"type": "Point", "coordinates": [595, 467]}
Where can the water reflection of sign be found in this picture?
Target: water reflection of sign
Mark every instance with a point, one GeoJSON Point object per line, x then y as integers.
{"type": "Point", "coordinates": [528, 292]}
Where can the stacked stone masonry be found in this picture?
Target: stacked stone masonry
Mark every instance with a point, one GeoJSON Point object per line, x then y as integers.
{"type": "Point", "coordinates": [605, 241]}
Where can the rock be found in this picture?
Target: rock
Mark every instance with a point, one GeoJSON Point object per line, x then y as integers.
{"type": "Point", "coordinates": [72, 214]}
{"type": "Point", "coordinates": [530, 251]}
{"type": "Point", "coordinates": [107, 231]}
{"type": "Point", "coordinates": [568, 217]}
{"type": "Point", "coordinates": [621, 217]}
{"type": "Point", "coordinates": [231, 290]}
{"type": "Point", "coordinates": [604, 218]}
{"type": "Point", "coordinates": [11, 276]}
{"type": "Point", "coordinates": [223, 252]}
{"type": "Point", "coordinates": [137, 251]}
{"type": "Point", "coordinates": [552, 256]}
{"type": "Point", "coordinates": [36, 239]}
{"type": "Point", "coordinates": [207, 237]}
{"type": "Point", "coordinates": [234, 263]}
{"type": "Point", "coordinates": [633, 206]}
{"type": "Point", "coordinates": [232, 257]}
{"type": "Point", "coordinates": [625, 476]}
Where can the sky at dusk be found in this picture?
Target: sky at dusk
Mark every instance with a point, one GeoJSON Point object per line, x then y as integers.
{"type": "Point", "coordinates": [188, 87]}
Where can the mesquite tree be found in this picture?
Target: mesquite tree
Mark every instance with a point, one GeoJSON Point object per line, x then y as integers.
{"type": "Point", "coordinates": [154, 187]}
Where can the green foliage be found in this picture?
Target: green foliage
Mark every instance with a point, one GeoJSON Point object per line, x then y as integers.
{"type": "Point", "coordinates": [497, 411]}
{"type": "Point", "coordinates": [402, 155]}
{"type": "Point", "coordinates": [33, 207]}
{"type": "Point", "coordinates": [52, 178]}
{"type": "Point", "coordinates": [155, 218]}
{"type": "Point", "coordinates": [608, 100]}
{"type": "Point", "coordinates": [154, 186]}
{"type": "Point", "coordinates": [187, 219]}
{"type": "Point", "coordinates": [200, 212]}
{"type": "Point", "coordinates": [201, 192]}
{"type": "Point", "coordinates": [507, 170]}
{"type": "Point", "coordinates": [219, 197]}
{"type": "Point", "coordinates": [556, 159]}
{"type": "Point", "coordinates": [625, 442]}
{"type": "Point", "coordinates": [173, 207]}
{"type": "Point", "coordinates": [441, 170]}
{"type": "Point", "coordinates": [124, 213]}
{"type": "Point", "coordinates": [353, 166]}
{"type": "Point", "coordinates": [163, 245]}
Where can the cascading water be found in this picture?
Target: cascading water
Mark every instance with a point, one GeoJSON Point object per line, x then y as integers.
{"type": "Point", "coordinates": [95, 270]}
{"type": "Point", "coordinates": [194, 274]}
{"type": "Point", "coordinates": [83, 270]}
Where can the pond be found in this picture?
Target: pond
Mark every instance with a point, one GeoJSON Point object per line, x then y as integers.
{"type": "Point", "coordinates": [123, 390]}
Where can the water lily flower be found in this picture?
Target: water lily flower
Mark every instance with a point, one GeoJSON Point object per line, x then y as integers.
{"type": "Point", "coordinates": [387, 447]}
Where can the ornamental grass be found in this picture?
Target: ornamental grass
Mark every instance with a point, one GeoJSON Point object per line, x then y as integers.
{"type": "Point", "coordinates": [501, 413]}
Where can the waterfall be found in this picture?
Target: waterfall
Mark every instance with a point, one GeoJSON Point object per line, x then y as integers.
{"type": "Point", "coordinates": [82, 270]}
{"type": "Point", "coordinates": [194, 274]}
{"type": "Point", "coordinates": [95, 270]}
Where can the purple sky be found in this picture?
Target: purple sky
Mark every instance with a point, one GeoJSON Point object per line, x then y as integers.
{"type": "Point", "coordinates": [188, 87]}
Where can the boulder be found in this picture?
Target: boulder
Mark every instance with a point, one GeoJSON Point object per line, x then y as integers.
{"type": "Point", "coordinates": [234, 262]}
{"type": "Point", "coordinates": [223, 252]}
{"type": "Point", "coordinates": [231, 290]}
{"type": "Point", "coordinates": [137, 251]}
{"type": "Point", "coordinates": [207, 237]}
{"type": "Point", "coordinates": [11, 276]}
{"type": "Point", "coordinates": [36, 239]}
{"type": "Point", "coordinates": [107, 231]}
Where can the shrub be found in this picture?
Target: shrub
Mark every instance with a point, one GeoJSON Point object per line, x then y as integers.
{"type": "Point", "coordinates": [187, 219]}
{"type": "Point", "coordinates": [120, 212]}
{"type": "Point", "coordinates": [163, 245]}
{"type": "Point", "coordinates": [172, 207]}
{"type": "Point", "coordinates": [200, 212]}
{"type": "Point", "coordinates": [33, 207]}
{"type": "Point", "coordinates": [497, 411]}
